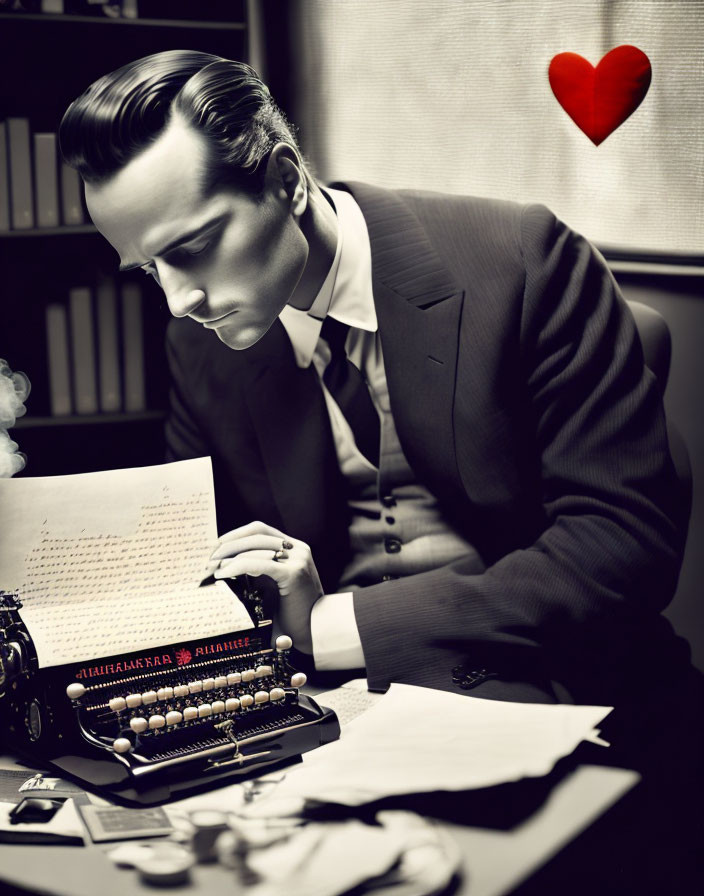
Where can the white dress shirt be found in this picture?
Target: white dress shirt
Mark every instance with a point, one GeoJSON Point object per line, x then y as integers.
{"type": "Point", "coordinates": [346, 295]}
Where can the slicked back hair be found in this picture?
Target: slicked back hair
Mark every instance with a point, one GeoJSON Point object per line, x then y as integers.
{"type": "Point", "coordinates": [124, 112]}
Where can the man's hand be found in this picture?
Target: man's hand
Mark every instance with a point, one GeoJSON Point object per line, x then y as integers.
{"type": "Point", "coordinates": [250, 550]}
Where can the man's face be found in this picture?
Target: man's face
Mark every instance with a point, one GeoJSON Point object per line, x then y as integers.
{"type": "Point", "coordinates": [229, 261]}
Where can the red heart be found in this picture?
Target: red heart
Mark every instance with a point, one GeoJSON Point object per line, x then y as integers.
{"type": "Point", "coordinates": [600, 99]}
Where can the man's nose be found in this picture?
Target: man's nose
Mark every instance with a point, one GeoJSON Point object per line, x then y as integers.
{"type": "Point", "coordinates": [182, 295]}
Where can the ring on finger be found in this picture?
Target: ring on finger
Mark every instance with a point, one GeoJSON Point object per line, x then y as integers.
{"type": "Point", "coordinates": [279, 555]}
{"type": "Point", "coordinates": [286, 545]}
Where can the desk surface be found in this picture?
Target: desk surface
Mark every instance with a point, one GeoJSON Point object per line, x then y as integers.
{"type": "Point", "coordinates": [493, 862]}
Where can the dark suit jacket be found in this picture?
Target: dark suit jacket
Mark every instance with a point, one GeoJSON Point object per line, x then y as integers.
{"type": "Point", "coordinates": [520, 397]}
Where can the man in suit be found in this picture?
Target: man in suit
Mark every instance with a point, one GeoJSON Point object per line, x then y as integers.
{"type": "Point", "coordinates": [507, 521]}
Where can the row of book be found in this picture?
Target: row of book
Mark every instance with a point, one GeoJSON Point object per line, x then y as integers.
{"type": "Point", "coordinates": [126, 8]}
{"type": "Point", "coordinates": [37, 188]}
{"type": "Point", "coordinates": [95, 346]}
{"type": "Point", "coordinates": [206, 10]}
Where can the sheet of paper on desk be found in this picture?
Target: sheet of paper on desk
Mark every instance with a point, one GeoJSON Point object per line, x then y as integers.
{"type": "Point", "coordinates": [111, 562]}
{"type": "Point", "coordinates": [417, 740]}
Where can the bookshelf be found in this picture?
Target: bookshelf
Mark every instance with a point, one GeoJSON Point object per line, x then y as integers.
{"type": "Point", "coordinates": [90, 339]}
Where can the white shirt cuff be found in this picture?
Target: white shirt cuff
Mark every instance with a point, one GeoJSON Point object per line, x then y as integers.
{"type": "Point", "coordinates": [336, 641]}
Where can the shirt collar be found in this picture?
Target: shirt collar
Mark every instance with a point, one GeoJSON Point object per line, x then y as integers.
{"type": "Point", "coordinates": [346, 293]}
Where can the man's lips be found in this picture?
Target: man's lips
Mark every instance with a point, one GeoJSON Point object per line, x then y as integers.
{"type": "Point", "coordinates": [217, 321]}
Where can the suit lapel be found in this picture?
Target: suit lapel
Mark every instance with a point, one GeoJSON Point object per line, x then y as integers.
{"type": "Point", "coordinates": [418, 306]}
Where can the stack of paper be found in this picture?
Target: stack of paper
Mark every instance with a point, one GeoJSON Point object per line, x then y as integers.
{"type": "Point", "coordinates": [416, 740]}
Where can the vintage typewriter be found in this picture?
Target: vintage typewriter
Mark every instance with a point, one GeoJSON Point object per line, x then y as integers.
{"type": "Point", "coordinates": [144, 727]}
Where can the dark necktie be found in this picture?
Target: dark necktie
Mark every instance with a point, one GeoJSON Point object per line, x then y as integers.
{"type": "Point", "coordinates": [349, 389]}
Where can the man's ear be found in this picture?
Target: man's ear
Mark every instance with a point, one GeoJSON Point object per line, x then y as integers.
{"type": "Point", "coordinates": [287, 176]}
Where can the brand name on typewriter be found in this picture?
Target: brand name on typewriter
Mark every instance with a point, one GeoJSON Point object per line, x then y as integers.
{"type": "Point", "coordinates": [178, 656]}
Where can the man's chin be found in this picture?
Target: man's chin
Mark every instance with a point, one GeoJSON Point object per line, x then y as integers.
{"type": "Point", "coordinates": [239, 337]}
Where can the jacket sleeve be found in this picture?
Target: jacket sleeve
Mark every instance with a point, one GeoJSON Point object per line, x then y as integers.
{"type": "Point", "coordinates": [183, 438]}
{"type": "Point", "coordinates": [581, 604]}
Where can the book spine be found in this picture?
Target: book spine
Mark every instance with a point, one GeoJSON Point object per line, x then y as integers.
{"type": "Point", "coordinates": [71, 205]}
{"type": "Point", "coordinates": [21, 204]}
{"type": "Point", "coordinates": [57, 350]}
{"type": "Point", "coordinates": [108, 351]}
{"type": "Point", "coordinates": [82, 347]}
{"type": "Point", "coordinates": [46, 180]}
{"type": "Point", "coordinates": [4, 181]}
{"type": "Point", "coordinates": [133, 348]}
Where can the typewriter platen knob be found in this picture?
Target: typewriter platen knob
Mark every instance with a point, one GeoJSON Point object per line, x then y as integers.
{"type": "Point", "coordinates": [283, 642]}
{"type": "Point", "coordinates": [75, 690]}
{"type": "Point", "coordinates": [298, 679]}
{"type": "Point", "coordinates": [122, 745]}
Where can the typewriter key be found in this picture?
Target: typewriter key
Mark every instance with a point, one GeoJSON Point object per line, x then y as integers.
{"type": "Point", "coordinates": [283, 642]}
{"type": "Point", "coordinates": [117, 704]}
{"type": "Point", "coordinates": [75, 690]}
{"type": "Point", "coordinates": [298, 679]}
{"type": "Point", "coordinates": [138, 724]}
